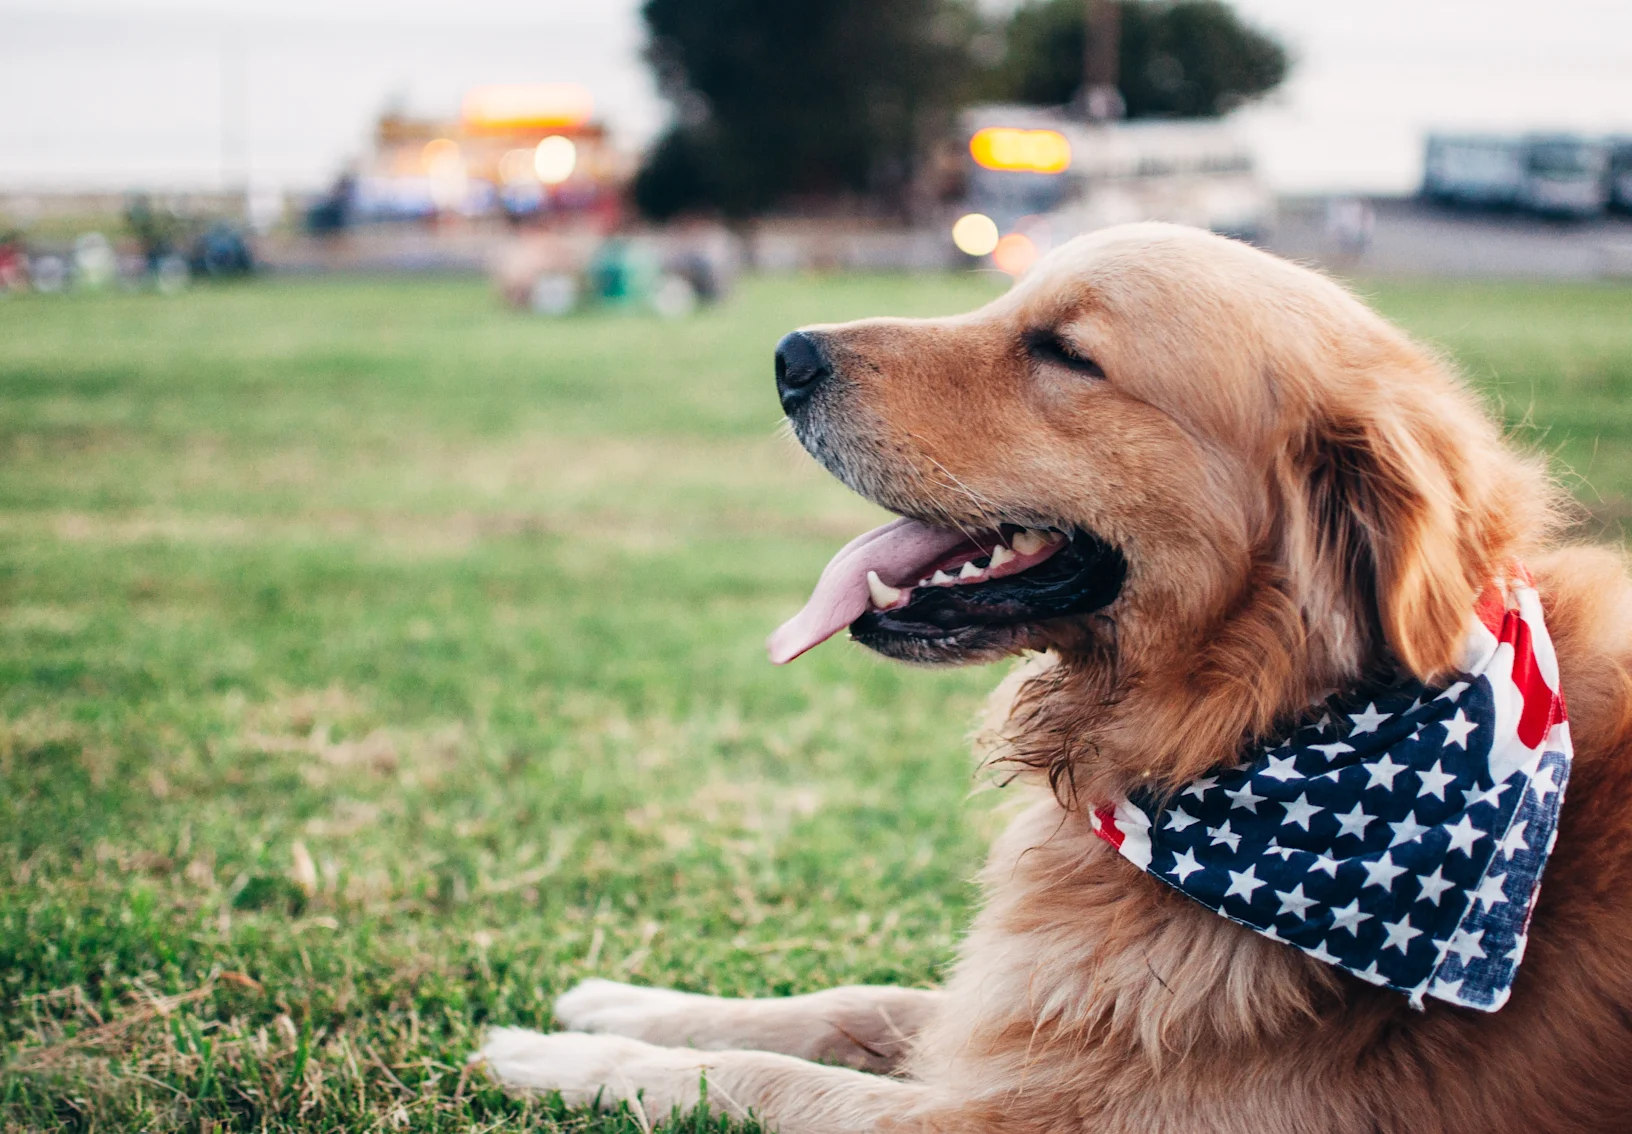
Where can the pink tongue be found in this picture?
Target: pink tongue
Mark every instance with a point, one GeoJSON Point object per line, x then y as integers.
{"type": "Point", "coordinates": [899, 551]}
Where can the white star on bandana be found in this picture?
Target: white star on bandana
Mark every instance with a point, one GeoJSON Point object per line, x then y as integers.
{"type": "Point", "coordinates": [1349, 917]}
{"type": "Point", "coordinates": [1407, 830]}
{"type": "Point", "coordinates": [1382, 773]}
{"type": "Point", "coordinates": [1435, 779]}
{"type": "Point", "coordinates": [1282, 768]}
{"type": "Point", "coordinates": [1294, 902]}
{"type": "Point", "coordinates": [1300, 811]}
{"type": "Point", "coordinates": [1457, 729]}
{"type": "Point", "coordinates": [1543, 784]}
{"type": "Point", "coordinates": [1355, 822]}
{"type": "Point", "coordinates": [1434, 885]}
{"type": "Point", "coordinates": [1243, 883]}
{"type": "Point", "coordinates": [1368, 720]}
{"type": "Point", "coordinates": [1178, 819]}
{"type": "Point", "coordinates": [1400, 934]}
{"type": "Point", "coordinates": [1383, 871]}
{"type": "Point", "coordinates": [1463, 836]}
{"type": "Point", "coordinates": [1492, 890]}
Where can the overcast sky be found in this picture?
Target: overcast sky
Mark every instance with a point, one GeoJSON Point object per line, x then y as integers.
{"type": "Point", "coordinates": [108, 93]}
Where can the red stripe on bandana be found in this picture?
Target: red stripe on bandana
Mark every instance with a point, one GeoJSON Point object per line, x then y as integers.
{"type": "Point", "coordinates": [1491, 609]}
{"type": "Point", "coordinates": [1105, 826]}
{"type": "Point", "coordinates": [1542, 707]}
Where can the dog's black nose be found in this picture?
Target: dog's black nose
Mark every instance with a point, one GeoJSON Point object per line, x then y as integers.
{"type": "Point", "coordinates": [800, 368]}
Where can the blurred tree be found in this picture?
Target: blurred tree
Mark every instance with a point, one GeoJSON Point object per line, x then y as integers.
{"type": "Point", "coordinates": [787, 100]}
{"type": "Point", "coordinates": [1178, 58]}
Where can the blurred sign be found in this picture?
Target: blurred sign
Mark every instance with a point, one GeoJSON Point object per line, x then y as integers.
{"type": "Point", "coordinates": [1028, 151]}
{"type": "Point", "coordinates": [526, 106]}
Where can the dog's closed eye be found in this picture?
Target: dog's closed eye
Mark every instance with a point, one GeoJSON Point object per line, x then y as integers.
{"type": "Point", "coordinates": [1047, 347]}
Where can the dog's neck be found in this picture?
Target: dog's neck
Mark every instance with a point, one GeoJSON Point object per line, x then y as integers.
{"type": "Point", "coordinates": [1097, 727]}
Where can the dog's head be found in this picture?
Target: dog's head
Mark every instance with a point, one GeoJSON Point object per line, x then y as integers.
{"type": "Point", "coordinates": [1210, 483]}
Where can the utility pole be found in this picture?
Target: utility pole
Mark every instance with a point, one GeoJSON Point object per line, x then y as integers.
{"type": "Point", "coordinates": [1100, 99]}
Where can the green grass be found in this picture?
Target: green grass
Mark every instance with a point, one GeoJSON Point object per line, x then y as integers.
{"type": "Point", "coordinates": [375, 663]}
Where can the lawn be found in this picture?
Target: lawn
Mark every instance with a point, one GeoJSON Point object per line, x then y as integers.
{"type": "Point", "coordinates": [375, 663]}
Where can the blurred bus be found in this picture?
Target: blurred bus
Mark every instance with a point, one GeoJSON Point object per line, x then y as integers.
{"type": "Point", "coordinates": [1554, 174]}
{"type": "Point", "coordinates": [1037, 173]}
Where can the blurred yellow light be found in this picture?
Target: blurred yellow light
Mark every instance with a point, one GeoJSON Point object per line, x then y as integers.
{"type": "Point", "coordinates": [526, 106]}
{"type": "Point", "coordinates": [516, 167]}
{"type": "Point", "coordinates": [1015, 254]}
{"type": "Point", "coordinates": [1028, 151]}
{"type": "Point", "coordinates": [975, 234]}
{"type": "Point", "coordinates": [555, 159]}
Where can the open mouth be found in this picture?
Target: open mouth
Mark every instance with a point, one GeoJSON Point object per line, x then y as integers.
{"type": "Point", "coordinates": [925, 592]}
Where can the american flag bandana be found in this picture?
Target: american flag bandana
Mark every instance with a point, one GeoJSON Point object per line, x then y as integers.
{"type": "Point", "coordinates": [1401, 835]}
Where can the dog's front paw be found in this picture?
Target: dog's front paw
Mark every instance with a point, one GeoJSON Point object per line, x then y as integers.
{"type": "Point", "coordinates": [590, 1069]}
{"type": "Point", "coordinates": [624, 1009]}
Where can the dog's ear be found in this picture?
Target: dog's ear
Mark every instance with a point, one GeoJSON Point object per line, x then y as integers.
{"type": "Point", "coordinates": [1390, 515]}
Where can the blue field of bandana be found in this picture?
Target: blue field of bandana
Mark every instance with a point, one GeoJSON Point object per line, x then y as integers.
{"type": "Point", "coordinates": [1374, 839]}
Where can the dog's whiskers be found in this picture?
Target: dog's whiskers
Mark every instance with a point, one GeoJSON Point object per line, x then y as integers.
{"type": "Point", "coordinates": [985, 507]}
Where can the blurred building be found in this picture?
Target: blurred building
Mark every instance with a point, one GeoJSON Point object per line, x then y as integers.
{"type": "Point", "coordinates": [516, 151]}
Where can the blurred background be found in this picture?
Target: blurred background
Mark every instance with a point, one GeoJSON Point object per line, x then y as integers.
{"type": "Point", "coordinates": [394, 499]}
{"type": "Point", "coordinates": [1393, 137]}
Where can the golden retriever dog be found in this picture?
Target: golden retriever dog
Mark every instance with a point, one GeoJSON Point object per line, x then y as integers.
{"type": "Point", "coordinates": [1213, 489]}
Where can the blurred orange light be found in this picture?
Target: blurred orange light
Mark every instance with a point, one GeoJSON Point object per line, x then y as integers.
{"type": "Point", "coordinates": [1027, 151]}
{"type": "Point", "coordinates": [527, 106]}
{"type": "Point", "coordinates": [1015, 254]}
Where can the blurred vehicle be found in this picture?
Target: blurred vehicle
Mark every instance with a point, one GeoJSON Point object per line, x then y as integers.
{"type": "Point", "coordinates": [331, 212]}
{"type": "Point", "coordinates": [1620, 174]}
{"type": "Point", "coordinates": [1552, 174]}
{"type": "Point", "coordinates": [221, 251]}
{"type": "Point", "coordinates": [1038, 174]}
{"type": "Point", "coordinates": [1565, 175]}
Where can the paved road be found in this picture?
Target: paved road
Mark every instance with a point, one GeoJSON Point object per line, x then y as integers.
{"type": "Point", "coordinates": [1410, 238]}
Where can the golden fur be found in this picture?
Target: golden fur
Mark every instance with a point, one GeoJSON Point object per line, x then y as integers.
{"type": "Point", "coordinates": [1305, 497]}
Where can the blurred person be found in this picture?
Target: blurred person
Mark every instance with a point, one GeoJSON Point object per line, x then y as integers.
{"type": "Point", "coordinates": [1349, 225]}
{"type": "Point", "coordinates": [13, 262]}
{"type": "Point", "coordinates": [156, 231]}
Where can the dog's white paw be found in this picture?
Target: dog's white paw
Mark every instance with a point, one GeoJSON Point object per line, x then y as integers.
{"type": "Point", "coordinates": [585, 1068]}
{"type": "Point", "coordinates": [624, 1009]}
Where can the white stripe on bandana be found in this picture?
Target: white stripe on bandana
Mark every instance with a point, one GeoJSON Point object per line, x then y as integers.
{"type": "Point", "coordinates": [1402, 834]}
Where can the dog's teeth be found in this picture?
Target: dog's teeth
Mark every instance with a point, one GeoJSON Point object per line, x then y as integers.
{"type": "Point", "coordinates": [1000, 556]}
{"type": "Point", "coordinates": [1028, 542]}
{"type": "Point", "coordinates": [884, 596]}
{"type": "Point", "coordinates": [970, 571]}
{"type": "Point", "coordinates": [941, 579]}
